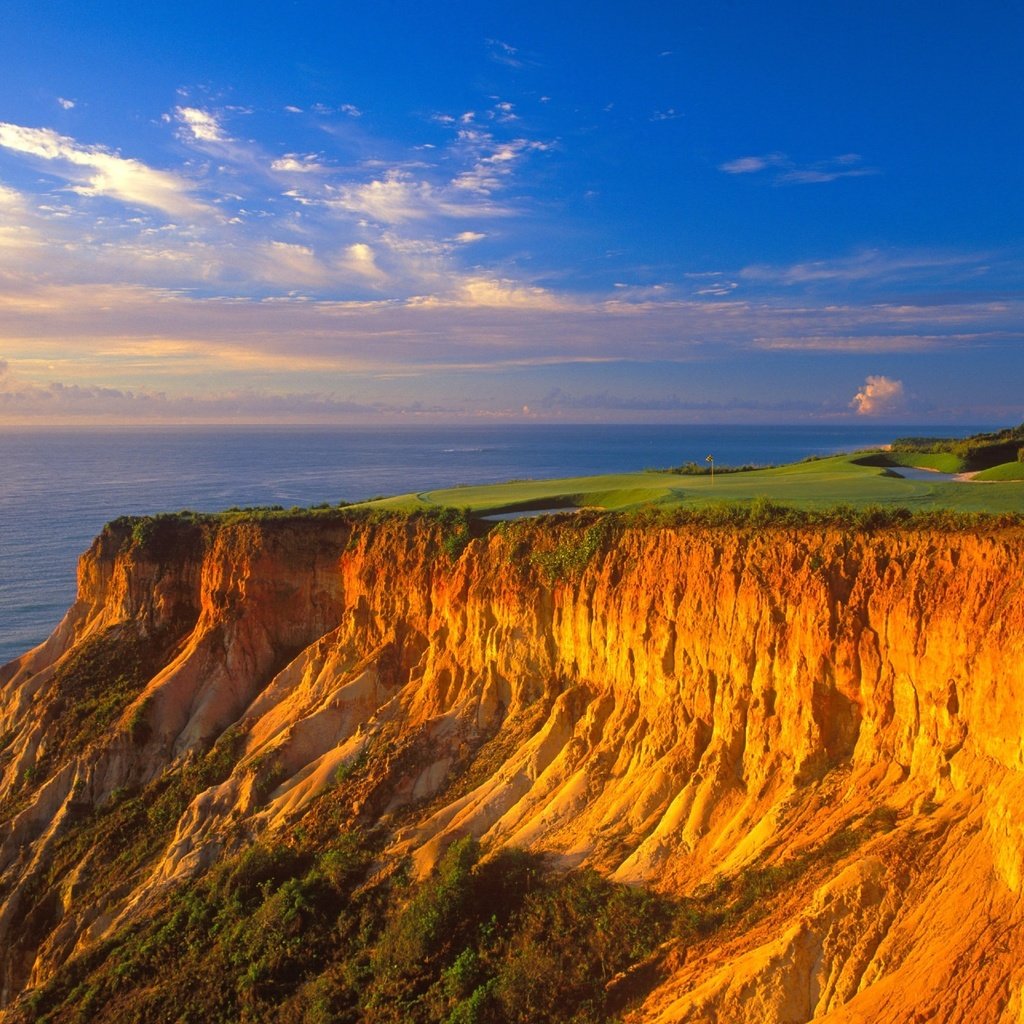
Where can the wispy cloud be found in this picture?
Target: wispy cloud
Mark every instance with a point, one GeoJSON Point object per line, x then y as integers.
{"type": "Point", "coordinates": [60, 402]}
{"type": "Point", "coordinates": [361, 259]}
{"type": "Point", "coordinates": [789, 172]}
{"type": "Point", "coordinates": [503, 112]}
{"type": "Point", "coordinates": [341, 228]}
{"type": "Point", "coordinates": [326, 109]}
{"type": "Point", "coordinates": [871, 266]}
{"type": "Point", "coordinates": [873, 342]}
{"type": "Point", "coordinates": [398, 198]}
{"type": "Point", "coordinates": [96, 171]}
{"type": "Point", "coordinates": [494, 162]}
{"type": "Point", "coordinates": [504, 53]}
{"type": "Point", "coordinates": [718, 288]}
{"type": "Point", "coordinates": [344, 253]}
{"type": "Point", "coordinates": [470, 317]}
{"type": "Point", "coordinates": [200, 125]}
{"type": "Point", "coordinates": [752, 164]}
{"type": "Point", "coordinates": [299, 163]}
{"type": "Point", "coordinates": [65, 104]}
{"type": "Point", "coordinates": [558, 399]}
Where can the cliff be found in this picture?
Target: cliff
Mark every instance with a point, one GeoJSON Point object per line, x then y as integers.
{"type": "Point", "coordinates": [836, 715]}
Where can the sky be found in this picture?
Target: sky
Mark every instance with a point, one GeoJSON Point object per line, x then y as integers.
{"type": "Point", "coordinates": [326, 212]}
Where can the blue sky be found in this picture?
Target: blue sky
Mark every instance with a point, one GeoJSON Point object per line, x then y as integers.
{"type": "Point", "coordinates": [316, 211]}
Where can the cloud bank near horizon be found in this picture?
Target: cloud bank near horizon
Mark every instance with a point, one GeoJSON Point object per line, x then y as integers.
{"type": "Point", "coordinates": [243, 279]}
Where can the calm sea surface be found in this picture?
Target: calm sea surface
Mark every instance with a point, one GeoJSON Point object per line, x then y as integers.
{"type": "Point", "coordinates": [58, 487]}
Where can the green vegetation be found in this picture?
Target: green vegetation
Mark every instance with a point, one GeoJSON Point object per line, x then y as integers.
{"type": "Point", "coordinates": [856, 480]}
{"type": "Point", "coordinates": [859, 481]}
{"type": "Point", "coordinates": [304, 928]}
{"type": "Point", "coordinates": [980, 451]}
{"type": "Point", "coordinates": [1007, 471]}
{"type": "Point", "coordinates": [845, 481]}
{"type": "Point", "coordinates": [117, 840]}
{"type": "Point", "coordinates": [696, 469]}
{"type": "Point", "coordinates": [456, 532]}
{"type": "Point", "coordinates": [571, 554]}
{"type": "Point", "coordinates": [941, 462]}
{"type": "Point", "coordinates": [89, 693]}
{"type": "Point", "coordinates": [291, 931]}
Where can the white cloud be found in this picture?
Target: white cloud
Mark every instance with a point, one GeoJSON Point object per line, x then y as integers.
{"type": "Point", "coordinates": [10, 200]}
{"type": "Point", "coordinates": [718, 288]}
{"type": "Point", "coordinates": [397, 198]}
{"type": "Point", "coordinates": [297, 163]}
{"type": "Point", "coordinates": [66, 104]}
{"type": "Point", "coordinates": [467, 237]}
{"type": "Point", "coordinates": [360, 259]}
{"type": "Point", "coordinates": [504, 112]}
{"type": "Point", "coordinates": [495, 163]}
{"type": "Point", "coordinates": [96, 171]}
{"type": "Point", "coordinates": [288, 264]}
{"type": "Point", "coordinates": [879, 395]}
{"type": "Point", "coordinates": [201, 124]}
{"type": "Point", "coordinates": [392, 199]}
{"type": "Point", "coordinates": [496, 293]}
{"type": "Point", "coordinates": [325, 109]}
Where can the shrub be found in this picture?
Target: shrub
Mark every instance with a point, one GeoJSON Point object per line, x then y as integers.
{"type": "Point", "coordinates": [455, 531]}
{"type": "Point", "coordinates": [570, 557]}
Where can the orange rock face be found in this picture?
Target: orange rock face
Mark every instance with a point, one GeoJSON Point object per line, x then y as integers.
{"type": "Point", "coordinates": [684, 704]}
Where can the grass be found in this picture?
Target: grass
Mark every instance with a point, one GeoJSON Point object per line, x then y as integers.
{"type": "Point", "coordinates": [814, 485]}
{"type": "Point", "coordinates": [1007, 471]}
{"type": "Point", "coordinates": [942, 462]}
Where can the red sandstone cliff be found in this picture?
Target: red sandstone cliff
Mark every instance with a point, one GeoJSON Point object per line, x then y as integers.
{"type": "Point", "coordinates": [690, 702]}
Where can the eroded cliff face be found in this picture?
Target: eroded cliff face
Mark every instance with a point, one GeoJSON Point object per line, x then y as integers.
{"type": "Point", "coordinates": [687, 703]}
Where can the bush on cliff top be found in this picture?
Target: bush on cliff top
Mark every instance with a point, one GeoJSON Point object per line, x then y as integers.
{"type": "Point", "coordinates": [166, 535]}
{"type": "Point", "coordinates": [764, 513]}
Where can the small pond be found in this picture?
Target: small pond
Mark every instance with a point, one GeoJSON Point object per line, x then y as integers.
{"type": "Point", "coordinates": [526, 513]}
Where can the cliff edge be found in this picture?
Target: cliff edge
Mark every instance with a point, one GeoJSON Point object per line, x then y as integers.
{"type": "Point", "coordinates": [820, 728]}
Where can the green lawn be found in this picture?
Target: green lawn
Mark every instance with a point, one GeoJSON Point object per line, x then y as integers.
{"type": "Point", "coordinates": [944, 462]}
{"type": "Point", "coordinates": [822, 483]}
{"type": "Point", "coordinates": [1007, 471]}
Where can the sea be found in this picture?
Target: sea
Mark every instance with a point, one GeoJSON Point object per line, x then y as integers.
{"type": "Point", "coordinates": [59, 486]}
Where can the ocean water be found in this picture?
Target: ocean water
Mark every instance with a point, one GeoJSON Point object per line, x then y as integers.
{"type": "Point", "coordinates": [59, 486]}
